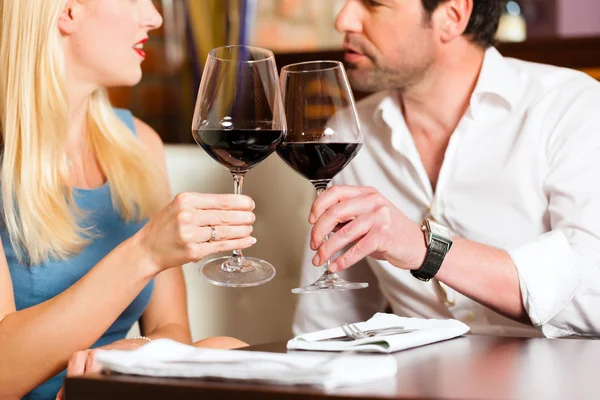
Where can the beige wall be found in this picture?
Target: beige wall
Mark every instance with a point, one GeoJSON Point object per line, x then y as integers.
{"type": "Point", "coordinates": [297, 25]}
{"type": "Point", "coordinates": [283, 199]}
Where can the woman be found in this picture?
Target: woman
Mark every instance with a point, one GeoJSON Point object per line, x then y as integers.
{"type": "Point", "coordinates": [90, 241]}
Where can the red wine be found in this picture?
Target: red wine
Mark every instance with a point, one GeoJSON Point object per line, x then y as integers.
{"type": "Point", "coordinates": [316, 161]}
{"type": "Point", "coordinates": [239, 150]}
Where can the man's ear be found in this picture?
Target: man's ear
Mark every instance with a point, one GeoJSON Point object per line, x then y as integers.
{"type": "Point", "coordinates": [451, 18]}
{"type": "Point", "coordinates": [67, 21]}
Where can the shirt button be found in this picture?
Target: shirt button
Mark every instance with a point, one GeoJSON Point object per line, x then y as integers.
{"type": "Point", "coordinates": [435, 211]}
{"type": "Point", "coordinates": [469, 317]}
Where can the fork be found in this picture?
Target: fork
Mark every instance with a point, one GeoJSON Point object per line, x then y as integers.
{"type": "Point", "coordinates": [353, 332]}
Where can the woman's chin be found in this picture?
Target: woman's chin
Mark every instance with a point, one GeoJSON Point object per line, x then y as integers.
{"type": "Point", "coordinates": [134, 78]}
{"type": "Point", "coordinates": [131, 79]}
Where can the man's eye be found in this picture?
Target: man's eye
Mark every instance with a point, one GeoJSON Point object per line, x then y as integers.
{"type": "Point", "coordinates": [372, 3]}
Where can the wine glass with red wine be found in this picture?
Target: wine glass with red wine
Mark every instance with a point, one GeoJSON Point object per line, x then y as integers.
{"type": "Point", "coordinates": [239, 121]}
{"type": "Point", "coordinates": [323, 136]}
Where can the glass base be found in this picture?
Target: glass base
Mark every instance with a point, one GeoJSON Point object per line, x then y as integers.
{"type": "Point", "coordinates": [329, 282]}
{"type": "Point", "coordinates": [253, 272]}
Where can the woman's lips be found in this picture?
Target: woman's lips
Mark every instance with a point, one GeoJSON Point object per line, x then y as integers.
{"type": "Point", "coordinates": [138, 47]}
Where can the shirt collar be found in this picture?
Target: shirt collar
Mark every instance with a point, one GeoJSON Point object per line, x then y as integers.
{"type": "Point", "coordinates": [496, 78]}
{"type": "Point", "coordinates": [388, 112]}
{"type": "Point", "coordinates": [389, 104]}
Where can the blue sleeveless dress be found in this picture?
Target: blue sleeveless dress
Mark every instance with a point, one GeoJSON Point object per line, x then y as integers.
{"type": "Point", "coordinates": [38, 283]}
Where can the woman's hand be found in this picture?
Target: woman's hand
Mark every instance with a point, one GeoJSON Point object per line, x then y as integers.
{"type": "Point", "coordinates": [84, 362]}
{"type": "Point", "coordinates": [181, 232]}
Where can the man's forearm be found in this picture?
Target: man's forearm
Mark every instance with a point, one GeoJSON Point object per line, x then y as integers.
{"type": "Point", "coordinates": [486, 275]}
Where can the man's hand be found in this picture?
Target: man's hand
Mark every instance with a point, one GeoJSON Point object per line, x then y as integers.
{"type": "Point", "coordinates": [365, 218]}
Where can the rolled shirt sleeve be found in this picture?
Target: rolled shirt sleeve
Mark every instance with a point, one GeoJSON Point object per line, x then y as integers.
{"type": "Point", "coordinates": [559, 272]}
{"type": "Point", "coordinates": [549, 278]}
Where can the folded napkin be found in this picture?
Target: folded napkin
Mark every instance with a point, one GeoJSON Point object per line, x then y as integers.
{"type": "Point", "coordinates": [167, 358]}
{"type": "Point", "coordinates": [427, 331]}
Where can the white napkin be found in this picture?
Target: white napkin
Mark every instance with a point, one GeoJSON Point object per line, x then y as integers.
{"type": "Point", "coordinates": [167, 358]}
{"type": "Point", "coordinates": [428, 331]}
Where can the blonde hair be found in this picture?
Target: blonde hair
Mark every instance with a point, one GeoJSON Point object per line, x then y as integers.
{"type": "Point", "coordinates": [40, 214]}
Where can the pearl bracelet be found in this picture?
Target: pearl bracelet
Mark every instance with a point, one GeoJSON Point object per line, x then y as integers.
{"type": "Point", "coordinates": [141, 338]}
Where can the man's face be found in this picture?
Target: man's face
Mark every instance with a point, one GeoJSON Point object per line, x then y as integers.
{"type": "Point", "coordinates": [389, 43]}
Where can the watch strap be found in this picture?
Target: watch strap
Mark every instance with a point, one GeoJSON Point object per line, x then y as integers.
{"type": "Point", "coordinates": [433, 260]}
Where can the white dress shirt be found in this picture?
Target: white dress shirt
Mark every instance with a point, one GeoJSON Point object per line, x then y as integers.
{"type": "Point", "coordinates": [521, 173]}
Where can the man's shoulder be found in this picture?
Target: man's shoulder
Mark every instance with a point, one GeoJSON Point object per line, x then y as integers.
{"type": "Point", "coordinates": [565, 99]}
{"type": "Point", "coordinates": [550, 78]}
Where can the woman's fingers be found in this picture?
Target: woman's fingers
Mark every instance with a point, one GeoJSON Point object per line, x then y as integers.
{"type": "Point", "coordinates": [204, 201]}
{"type": "Point", "coordinates": [198, 251]}
{"type": "Point", "coordinates": [80, 363]}
{"type": "Point", "coordinates": [91, 365]}
{"type": "Point", "coordinates": [215, 217]}
{"type": "Point", "coordinates": [202, 234]}
{"type": "Point", "coordinates": [224, 233]}
{"type": "Point", "coordinates": [195, 225]}
{"type": "Point", "coordinates": [76, 365]}
{"type": "Point", "coordinates": [61, 393]}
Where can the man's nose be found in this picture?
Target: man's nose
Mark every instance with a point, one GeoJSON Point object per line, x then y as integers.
{"type": "Point", "coordinates": [348, 19]}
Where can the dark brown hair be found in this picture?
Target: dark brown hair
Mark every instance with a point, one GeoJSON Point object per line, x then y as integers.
{"type": "Point", "coordinates": [483, 22]}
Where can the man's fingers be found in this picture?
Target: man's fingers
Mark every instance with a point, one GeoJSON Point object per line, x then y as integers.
{"type": "Point", "coordinates": [333, 196]}
{"type": "Point", "coordinates": [342, 213]}
{"type": "Point", "coordinates": [367, 245]}
{"type": "Point", "coordinates": [350, 233]}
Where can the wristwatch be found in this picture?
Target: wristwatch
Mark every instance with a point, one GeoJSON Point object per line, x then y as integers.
{"type": "Point", "coordinates": [438, 241]}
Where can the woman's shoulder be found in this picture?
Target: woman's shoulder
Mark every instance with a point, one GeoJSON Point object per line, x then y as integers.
{"type": "Point", "coordinates": [127, 118]}
{"type": "Point", "coordinates": [145, 133]}
{"type": "Point", "coordinates": [149, 138]}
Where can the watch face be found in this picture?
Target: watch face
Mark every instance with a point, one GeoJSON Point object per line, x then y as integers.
{"type": "Point", "coordinates": [439, 230]}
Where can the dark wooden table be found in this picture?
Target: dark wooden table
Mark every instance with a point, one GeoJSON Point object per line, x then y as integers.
{"type": "Point", "coordinates": [470, 367]}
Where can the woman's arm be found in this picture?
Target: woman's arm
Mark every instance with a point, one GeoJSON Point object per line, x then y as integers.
{"type": "Point", "coordinates": [166, 314]}
{"type": "Point", "coordinates": [36, 343]}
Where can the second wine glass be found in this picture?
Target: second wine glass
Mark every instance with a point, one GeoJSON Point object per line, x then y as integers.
{"type": "Point", "coordinates": [323, 136]}
{"type": "Point", "coordinates": [239, 121]}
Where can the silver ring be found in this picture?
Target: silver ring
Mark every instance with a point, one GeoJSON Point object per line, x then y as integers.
{"type": "Point", "coordinates": [213, 234]}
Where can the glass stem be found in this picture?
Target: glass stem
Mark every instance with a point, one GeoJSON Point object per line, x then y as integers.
{"type": "Point", "coordinates": [320, 189]}
{"type": "Point", "coordinates": [237, 258]}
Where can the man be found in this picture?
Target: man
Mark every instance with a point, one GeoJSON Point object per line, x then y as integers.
{"type": "Point", "coordinates": [500, 158]}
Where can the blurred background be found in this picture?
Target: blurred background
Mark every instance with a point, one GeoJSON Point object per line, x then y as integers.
{"type": "Point", "coordinates": [559, 32]}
